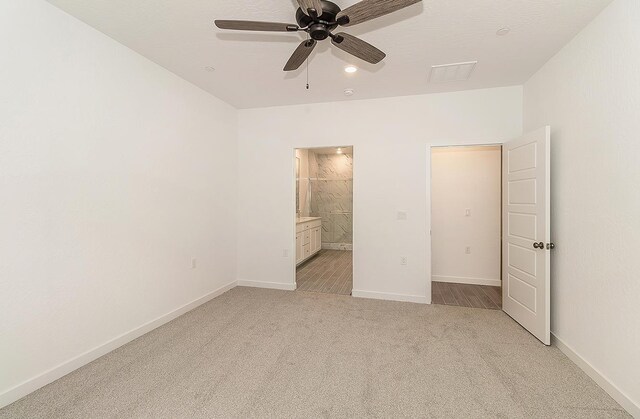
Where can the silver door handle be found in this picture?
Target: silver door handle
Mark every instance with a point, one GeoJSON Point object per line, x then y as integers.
{"type": "Point", "coordinates": [551, 246]}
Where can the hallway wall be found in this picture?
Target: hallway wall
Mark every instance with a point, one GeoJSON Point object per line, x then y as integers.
{"type": "Point", "coordinates": [590, 95]}
{"type": "Point", "coordinates": [391, 139]}
{"type": "Point", "coordinates": [114, 175]}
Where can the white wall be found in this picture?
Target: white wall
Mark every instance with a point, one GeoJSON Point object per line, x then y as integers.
{"type": "Point", "coordinates": [114, 173]}
{"type": "Point", "coordinates": [590, 95]}
{"type": "Point", "coordinates": [391, 165]}
{"type": "Point", "coordinates": [466, 178]}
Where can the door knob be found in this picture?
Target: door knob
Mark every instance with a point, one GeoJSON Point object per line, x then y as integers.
{"type": "Point", "coordinates": [551, 246]}
{"type": "Point", "coordinates": [539, 245]}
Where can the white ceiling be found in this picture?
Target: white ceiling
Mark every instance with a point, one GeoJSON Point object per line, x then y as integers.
{"type": "Point", "coordinates": [180, 36]}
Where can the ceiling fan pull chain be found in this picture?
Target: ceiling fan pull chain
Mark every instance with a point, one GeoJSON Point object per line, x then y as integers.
{"type": "Point", "coordinates": [307, 67]}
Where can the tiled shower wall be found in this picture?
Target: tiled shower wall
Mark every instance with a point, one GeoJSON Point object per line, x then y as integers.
{"type": "Point", "coordinates": [332, 197]}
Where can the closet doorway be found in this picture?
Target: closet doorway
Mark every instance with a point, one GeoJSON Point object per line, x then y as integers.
{"type": "Point", "coordinates": [324, 220]}
{"type": "Point", "coordinates": [466, 207]}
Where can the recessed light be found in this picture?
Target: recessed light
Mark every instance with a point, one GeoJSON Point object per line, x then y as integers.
{"type": "Point", "coordinates": [503, 31]}
{"type": "Point", "coordinates": [209, 69]}
{"type": "Point", "coordinates": [339, 151]}
{"type": "Point", "coordinates": [349, 92]}
{"type": "Point", "coordinates": [350, 69]}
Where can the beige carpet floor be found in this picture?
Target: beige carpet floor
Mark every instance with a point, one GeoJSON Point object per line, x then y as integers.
{"type": "Point", "coordinates": [266, 353]}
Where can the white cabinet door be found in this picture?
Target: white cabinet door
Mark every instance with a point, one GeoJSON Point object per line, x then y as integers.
{"type": "Point", "coordinates": [312, 241]}
{"type": "Point", "coordinates": [316, 239]}
{"type": "Point", "coordinates": [526, 242]}
{"type": "Point", "coordinates": [299, 250]}
{"type": "Point", "coordinates": [306, 249]}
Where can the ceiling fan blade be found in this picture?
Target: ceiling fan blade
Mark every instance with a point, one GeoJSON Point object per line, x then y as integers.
{"type": "Point", "coordinates": [357, 47]}
{"type": "Point", "coordinates": [300, 55]}
{"type": "Point", "coordinates": [248, 25]}
{"type": "Point", "coordinates": [305, 5]}
{"type": "Point", "coordinates": [370, 9]}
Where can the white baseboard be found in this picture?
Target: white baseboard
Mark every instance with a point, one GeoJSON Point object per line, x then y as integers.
{"type": "Point", "coordinates": [616, 394]}
{"type": "Point", "coordinates": [270, 285]}
{"type": "Point", "coordinates": [466, 280]}
{"type": "Point", "coordinates": [47, 377]}
{"type": "Point", "coordinates": [420, 299]}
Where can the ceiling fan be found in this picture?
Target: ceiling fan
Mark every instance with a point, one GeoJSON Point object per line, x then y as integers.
{"type": "Point", "coordinates": [319, 18]}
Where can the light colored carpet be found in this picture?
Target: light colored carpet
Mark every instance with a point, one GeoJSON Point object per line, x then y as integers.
{"type": "Point", "coordinates": [265, 353]}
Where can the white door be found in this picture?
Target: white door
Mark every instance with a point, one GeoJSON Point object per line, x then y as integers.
{"type": "Point", "coordinates": [526, 242]}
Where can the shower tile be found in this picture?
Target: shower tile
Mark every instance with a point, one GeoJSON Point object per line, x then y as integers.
{"type": "Point", "coordinates": [332, 196]}
{"type": "Point", "coordinates": [343, 228]}
{"type": "Point", "coordinates": [328, 228]}
{"type": "Point", "coordinates": [335, 166]}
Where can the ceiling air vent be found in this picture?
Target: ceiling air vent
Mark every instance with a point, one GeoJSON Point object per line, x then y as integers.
{"type": "Point", "coordinates": [451, 72]}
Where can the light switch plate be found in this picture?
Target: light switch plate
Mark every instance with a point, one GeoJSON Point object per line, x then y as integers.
{"type": "Point", "coordinates": [402, 215]}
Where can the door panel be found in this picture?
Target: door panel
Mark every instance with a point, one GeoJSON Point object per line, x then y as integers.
{"type": "Point", "coordinates": [522, 259]}
{"type": "Point", "coordinates": [522, 158]}
{"type": "Point", "coordinates": [523, 226]}
{"type": "Point", "coordinates": [526, 221]}
{"type": "Point", "coordinates": [522, 292]}
{"type": "Point", "coordinates": [522, 192]}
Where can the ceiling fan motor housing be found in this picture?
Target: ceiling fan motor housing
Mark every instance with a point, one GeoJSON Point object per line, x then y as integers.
{"type": "Point", "coordinates": [321, 27]}
{"type": "Point", "coordinates": [318, 31]}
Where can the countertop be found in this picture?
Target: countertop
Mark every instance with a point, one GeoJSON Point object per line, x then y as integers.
{"type": "Point", "coordinates": [307, 219]}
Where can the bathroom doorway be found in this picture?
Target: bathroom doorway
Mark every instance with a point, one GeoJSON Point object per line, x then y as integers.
{"type": "Point", "coordinates": [324, 220]}
{"type": "Point", "coordinates": [466, 226]}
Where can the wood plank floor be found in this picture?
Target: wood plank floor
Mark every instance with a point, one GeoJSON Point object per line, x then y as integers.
{"type": "Point", "coordinates": [329, 272]}
{"type": "Point", "coordinates": [464, 295]}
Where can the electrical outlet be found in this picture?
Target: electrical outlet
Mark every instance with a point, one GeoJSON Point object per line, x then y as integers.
{"type": "Point", "coordinates": [403, 260]}
{"type": "Point", "coordinates": [402, 215]}
{"type": "Point", "coordinates": [467, 250]}
{"type": "Point", "coordinates": [467, 212]}
{"type": "Point", "coordinates": [194, 263]}
{"type": "Point", "coordinates": [285, 253]}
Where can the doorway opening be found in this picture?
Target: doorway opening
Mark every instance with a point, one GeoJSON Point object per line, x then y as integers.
{"type": "Point", "coordinates": [324, 220]}
{"type": "Point", "coordinates": [466, 226]}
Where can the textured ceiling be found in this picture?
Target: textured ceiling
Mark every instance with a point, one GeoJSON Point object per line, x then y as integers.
{"type": "Point", "coordinates": [180, 36]}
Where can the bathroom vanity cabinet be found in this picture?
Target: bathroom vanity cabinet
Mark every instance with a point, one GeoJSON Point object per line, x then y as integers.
{"type": "Point", "coordinates": [308, 238]}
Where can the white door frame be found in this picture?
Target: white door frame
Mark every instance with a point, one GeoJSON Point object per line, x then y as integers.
{"type": "Point", "coordinates": [542, 333]}
{"type": "Point", "coordinates": [292, 253]}
{"type": "Point", "coordinates": [430, 147]}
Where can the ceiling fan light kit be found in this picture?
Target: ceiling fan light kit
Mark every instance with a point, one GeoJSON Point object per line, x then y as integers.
{"type": "Point", "coordinates": [319, 18]}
